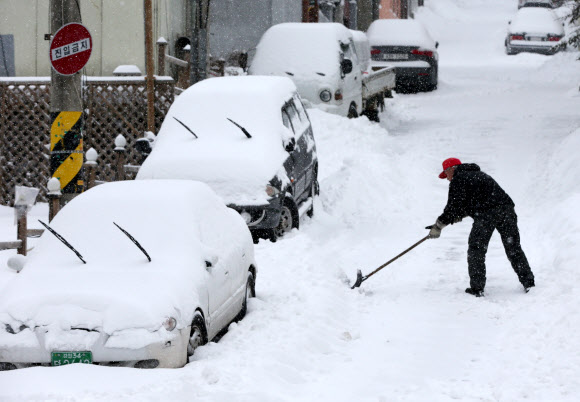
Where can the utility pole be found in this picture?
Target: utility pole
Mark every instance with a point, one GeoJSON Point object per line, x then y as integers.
{"type": "Point", "coordinates": [149, 65]}
{"type": "Point", "coordinates": [199, 40]}
{"type": "Point", "coordinates": [66, 112]}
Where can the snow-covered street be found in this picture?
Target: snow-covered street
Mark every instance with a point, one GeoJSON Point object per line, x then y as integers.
{"type": "Point", "coordinates": [409, 333]}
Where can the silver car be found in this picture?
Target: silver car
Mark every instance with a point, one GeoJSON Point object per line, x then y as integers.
{"type": "Point", "coordinates": [133, 274]}
{"type": "Point", "coordinates": [534, 29]}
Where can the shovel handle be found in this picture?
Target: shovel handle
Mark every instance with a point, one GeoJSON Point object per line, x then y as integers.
{"type": "Point", "coordinates": [393, 259]}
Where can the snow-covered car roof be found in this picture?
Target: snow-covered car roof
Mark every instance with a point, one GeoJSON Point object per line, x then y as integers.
{"type": "Point", "coordinates": [536, 20]}
{"type": "Point", "coordinates": [395, 32]}
{"type": "Point", "coordinates": [180, 224]}
{"type": "Point", "coordinates": [238, 168]}
{"type": "Point", "coordinates": [300, 48]}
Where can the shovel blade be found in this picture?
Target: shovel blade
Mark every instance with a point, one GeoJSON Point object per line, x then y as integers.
{"type": "Point", "coordinates": [359, 279]}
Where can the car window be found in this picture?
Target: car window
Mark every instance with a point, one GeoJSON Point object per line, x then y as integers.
{"type": "Point", "coordinates": [286, 119]}
{"type": "Point", "coordinates": [349, 52]}
{"type": "Point", "coordinates": [297, 123]}
{"type": "Point", "coordinates": [301, 110]}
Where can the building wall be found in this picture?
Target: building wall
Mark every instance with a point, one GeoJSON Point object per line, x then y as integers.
{"type": "Point", "coordinates": [117, 29]}
{"type": "Point", "coordinates": [237, 25]}
{"type": "Point", "coordinates": [389, 9]}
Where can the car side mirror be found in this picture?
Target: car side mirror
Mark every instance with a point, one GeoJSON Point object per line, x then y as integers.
{"type": "Point", "coordinates": [210, 262]}
{"type": "Point", "coordinates": [436, 45]}
{"type": "Point", "coordinates": [16, 262]}
{"type": "Point", "coordinates": [289, 147]}
{"type": "Point", "coordinates": [346, 66]}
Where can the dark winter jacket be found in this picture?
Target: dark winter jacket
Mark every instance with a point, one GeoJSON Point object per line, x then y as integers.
{"type": "Point", "coordinates": [472, 191]}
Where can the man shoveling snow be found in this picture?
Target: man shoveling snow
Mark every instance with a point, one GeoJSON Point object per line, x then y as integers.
{"type": "Point", "coordinates": [475, 194]}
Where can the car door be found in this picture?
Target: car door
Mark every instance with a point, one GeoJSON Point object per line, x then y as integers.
{"type": "Point", "coordinates": [353, 80]}
{"type": "Point", "coordinates": [299, 154]}
{"type": "Point", "coordinates": [290, 162]}
{"type": "Point", "coordinates": [306, 148]}
{"type": "Point", "coordinates": [219, 292]}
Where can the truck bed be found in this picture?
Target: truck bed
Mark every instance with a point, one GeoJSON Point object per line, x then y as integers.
{"type": "Point", "coordinates": [378, 81]}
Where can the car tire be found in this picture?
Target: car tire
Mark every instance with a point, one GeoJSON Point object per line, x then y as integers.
{"type": "Point", "coordinates": [197, 336]}
{"type": "Point", "coordinates": [352, 112]}
{"type": "Point", "coordinates": [288, 220]}
{"type": "Point", "coordinates": [250, 292]}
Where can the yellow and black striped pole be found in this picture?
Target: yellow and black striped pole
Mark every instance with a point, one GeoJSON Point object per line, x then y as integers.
{"type": "Point", "coordinates": [66, 151]}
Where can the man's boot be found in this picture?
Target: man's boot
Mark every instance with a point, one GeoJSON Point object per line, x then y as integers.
{"type": "Point", "coordinates": [474, 292]}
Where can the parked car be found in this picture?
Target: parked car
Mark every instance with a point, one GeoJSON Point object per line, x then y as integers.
{"type": "Point", "coordinates": [321, 59]}
{"type": "Point", "coordinates": [161, 267]}
{"type": "Point", "coordinates": [408, 46]}
{"type": "Point", "coordinates": [535, 30]}
{"type": "Point", "coordinates": [250, 139]}
{"type": "Point", "coordinates": [536, 3]}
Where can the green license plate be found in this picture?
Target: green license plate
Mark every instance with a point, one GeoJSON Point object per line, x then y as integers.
{"type": "Point", "coordinates": [62, 358]}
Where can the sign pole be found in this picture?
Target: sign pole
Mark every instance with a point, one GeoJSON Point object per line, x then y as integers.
{"type": "Point", "coordinates": [66, 142]}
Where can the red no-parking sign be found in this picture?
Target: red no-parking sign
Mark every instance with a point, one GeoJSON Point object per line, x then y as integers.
{"type": "Point", "coordinates": [70, 48]}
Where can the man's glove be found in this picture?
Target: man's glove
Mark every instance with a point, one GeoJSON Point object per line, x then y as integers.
{"type": "Point", "coordinates": [435, 231]}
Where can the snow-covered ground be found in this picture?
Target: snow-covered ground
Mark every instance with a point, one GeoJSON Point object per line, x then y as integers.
{"type": "Point", "coordinates": [410, 333]}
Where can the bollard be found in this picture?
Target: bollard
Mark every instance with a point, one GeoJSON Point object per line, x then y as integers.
{"type": "Point", "coordinates": [54, 195]}
{"type": "Point", "coordinates": [91, 167]}
{"type": "Point", "coordinates": [21, 227]}
{"type": "Point", "coordinates": [120, 143]}
{"type": "Point", "coordinates": [24, 199]}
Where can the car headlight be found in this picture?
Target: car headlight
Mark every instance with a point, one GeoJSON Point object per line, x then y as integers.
{"type": "Point", "coordinates": [325, 95]}
{"type": "Point", "coordinates": [271, 190]}
{"type": "Point", "coordinates": [170, 323]}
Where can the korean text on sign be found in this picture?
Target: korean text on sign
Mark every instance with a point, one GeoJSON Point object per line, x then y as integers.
{"type": "Point", "coordinates": [71, 48]}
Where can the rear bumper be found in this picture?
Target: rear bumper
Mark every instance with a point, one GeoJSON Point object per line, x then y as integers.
{"type": "Point", "coordinates": [29, 349]}
{"type": "Point", "coordinates": [407, 70]}
{"type": "Point", "coordinates": [541, 49]}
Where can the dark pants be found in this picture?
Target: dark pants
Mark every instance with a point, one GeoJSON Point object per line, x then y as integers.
{"type": "Point", "coordinates": [505, 221]}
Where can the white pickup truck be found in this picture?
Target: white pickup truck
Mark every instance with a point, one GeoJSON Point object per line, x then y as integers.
{"type": "Point", "coordinates": [323, 61]}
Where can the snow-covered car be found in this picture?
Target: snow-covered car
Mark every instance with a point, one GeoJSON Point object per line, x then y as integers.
{"type": "Point", "coordinates": [319, 58]}
{"type": "Point", "coordinates": [407, 46]}
{"type": "Point", "coordinates": [534, 29]}
{"type": "Point", "coordinates": [161, 267]}
{"type": "Point", "coordinates": [536, 3]}
{"type": "Point", "coordinates": [250, 139]}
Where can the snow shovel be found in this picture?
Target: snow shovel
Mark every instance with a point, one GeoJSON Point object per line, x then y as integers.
{"type": "Point", "coordinates": [359, 276]}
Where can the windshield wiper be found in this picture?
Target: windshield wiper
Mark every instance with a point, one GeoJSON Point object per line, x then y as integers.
{"type": "Point", "coordinates": [66, 243]}
{"type": "Point", "coordinates": [134, 241]}
{"type": "Point", "coordinates": [289, 73]}
{"type": "Point", "coordinates": [241, 128]}
{"type": "Point", "coordinates": [187, 128]}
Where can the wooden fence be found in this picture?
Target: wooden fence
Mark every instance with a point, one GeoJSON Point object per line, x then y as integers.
{"type": "Point", "coordinates": [112, 106]}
